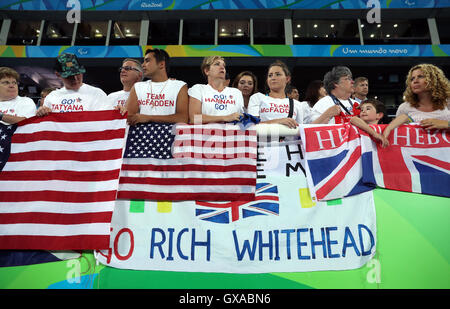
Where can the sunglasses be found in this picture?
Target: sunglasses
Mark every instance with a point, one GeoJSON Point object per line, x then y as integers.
{"type": "Point", "coordinates": [127, 68]}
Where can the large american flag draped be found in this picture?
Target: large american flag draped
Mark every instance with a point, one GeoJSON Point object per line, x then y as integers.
{"type": "Point", "coordinates": [59, 184]}
{"type": "Point", "coordinates": [214, 162]}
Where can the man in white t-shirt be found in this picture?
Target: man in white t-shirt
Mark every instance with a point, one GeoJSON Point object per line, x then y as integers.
{"type": "Point", "coordinates": [130, 73]}
{"type": "Point", "coordinates": [13, 108]}
{"type": "Point", "coordinates": [75, 96]}
{"type": "Point", "coordinates": [159, 99]}
{"type": "Point", "coordinates": [337, 105]}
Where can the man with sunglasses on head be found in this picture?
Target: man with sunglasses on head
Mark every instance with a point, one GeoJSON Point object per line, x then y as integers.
{"type": "Point", "coordinates": [130, 73]}
{"type": "Point", "coordinates": [13, 108]}
{"type": "Point", "coordinates": [75, 96]}
{"type": "Point", "coordinates": [158, 99]}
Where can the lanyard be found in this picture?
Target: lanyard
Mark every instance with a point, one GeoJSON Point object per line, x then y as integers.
{"type": "Point", "coordinates": [337, 102]}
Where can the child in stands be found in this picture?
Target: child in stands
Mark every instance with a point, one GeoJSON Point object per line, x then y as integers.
{"type": "Point", "coordinates": [372, 112]}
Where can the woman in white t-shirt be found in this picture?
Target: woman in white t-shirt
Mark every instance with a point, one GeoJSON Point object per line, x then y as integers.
{"type": "Point", "coordinates": [13, 108]}
{"type": "Point", "coordinates": [214, 102]}
{"type": "Point", "coordinates": [426, 95]}
{"type": "Point", "coordinates": [274, 107]}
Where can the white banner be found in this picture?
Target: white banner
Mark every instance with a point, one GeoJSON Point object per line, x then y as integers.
{"type": "Point", "coordinates": [283, 230]}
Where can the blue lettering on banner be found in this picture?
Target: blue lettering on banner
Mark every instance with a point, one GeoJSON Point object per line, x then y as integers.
{"type": "Point", "coordinates": [311, 240]}
{"type": "Point", "coordinates": [372, 240]}
{"type": "Point", "coordinates": [348, 235]}
{"type": "Point", "coordinates": [301, 244]}
{"type": "Point", "coordinates": [331, 242]}
{"type": "Point", "coordinates": [310, 244]}
{"type": "Point", "coordinates": [162, 242]}
{"type": "Point", "coordinates": [288, 241]}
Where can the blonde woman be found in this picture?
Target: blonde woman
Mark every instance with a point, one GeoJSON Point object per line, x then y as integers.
{"type": "Point", "coordinates": [426, 94]}
{"type": "Point", "coordinates": [214, 102]}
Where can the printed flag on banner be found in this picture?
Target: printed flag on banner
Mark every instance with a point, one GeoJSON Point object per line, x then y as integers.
{"type": "Point", "coordinates": [265, 203]}
{"type": "Point", "coordinates": [59, 183]}
{"type": "Point", "coordinates": [417, 160]}
{"type": "Point", "coordinates": [333, 161]}
{"type": "Point", "coordinates": [214, 162]}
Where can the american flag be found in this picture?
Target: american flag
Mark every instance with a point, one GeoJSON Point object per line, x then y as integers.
{"type": "Point", "coordinates": [417, 160]}
{"type": "Point", "coordinates": [59, 184]}
{"type": "Point", "coordinates": [213, 162]}
{"type": "Point", "coordinates": [266, 202]}
{"type": "Point", "coordinates": [333, 161]}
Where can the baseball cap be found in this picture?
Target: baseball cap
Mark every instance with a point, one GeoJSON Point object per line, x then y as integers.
{"type": "Point", "coordinates": [68, 65]}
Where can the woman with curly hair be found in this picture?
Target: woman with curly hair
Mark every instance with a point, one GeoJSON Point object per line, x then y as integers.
{"type": "Point", "coordinates": [426, 94]}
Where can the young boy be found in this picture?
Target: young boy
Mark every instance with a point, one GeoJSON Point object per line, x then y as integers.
{"type": "Point", "coordinates": [372, 111]}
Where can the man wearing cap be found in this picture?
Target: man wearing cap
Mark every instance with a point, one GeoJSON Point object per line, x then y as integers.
{"type": "Point", "coordinates": [130, 73]}
{"type": "Point", "coordinates": [75, 96]}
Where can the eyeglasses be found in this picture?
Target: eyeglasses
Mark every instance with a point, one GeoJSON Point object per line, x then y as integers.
{"type": "Point", "coordinates": [7, 83]}
{"type": "Point", "coordinates": [127, 68]}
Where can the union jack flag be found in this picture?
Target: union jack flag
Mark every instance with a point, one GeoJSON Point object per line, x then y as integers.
{"type": "Point", "coordinates": [333, 161]}
{"type": "Point", "coordinates": [417, 160]}
{"type": "Point", "coordinates": [266, 203]}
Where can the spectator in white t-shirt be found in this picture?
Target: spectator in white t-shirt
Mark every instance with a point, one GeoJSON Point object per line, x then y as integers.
{"type": "Point", "coordinates": [13, 108]}
{"type": "Point", "coordinates": [130, 73]}
{"type": "Point", "coordinates": [214, 102]}
{"type": "Point", "coordinates": [74, 96]}
{"type": "Point", "coordinates": [337, 107]}
{"type": "Point", "coordinates": [275, 106]}
{"type": "Point", "coordinates": [159, 99]}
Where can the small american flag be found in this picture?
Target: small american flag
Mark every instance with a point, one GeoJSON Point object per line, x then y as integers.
{"type": "Point", "coordinates": [59, 182]}
{"type": "Point", "coordinates": [214, 162]}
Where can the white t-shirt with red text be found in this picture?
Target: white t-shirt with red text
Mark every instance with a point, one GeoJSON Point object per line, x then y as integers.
{"type": "Point", "coordinates": [86, 98]}
{"type": "Point", "coordinates": [19, 106]}
{"type": "Point", "coordinates": [158, 98]}
{"type": "Point", "coordinates": [215, 103]}
{"type": "Point", "coordinates": [325, 103]}
{"type": "Point", "coordinates": [268, 108]}
{"type": "Point", "coordinates": [118, 98]}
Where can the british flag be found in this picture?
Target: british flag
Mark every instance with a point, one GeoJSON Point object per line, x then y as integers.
{"type": "Point", "coordinates": [333, 161]}
{"type": "Point", "coordinates": [417, 160]}
{"type": "Point", "coordinates": [266, 203]}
